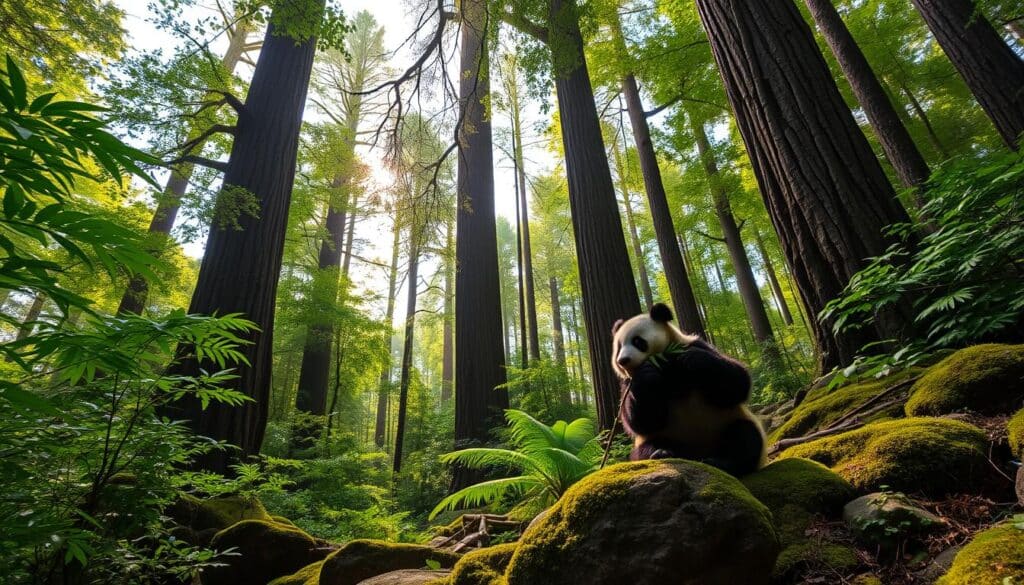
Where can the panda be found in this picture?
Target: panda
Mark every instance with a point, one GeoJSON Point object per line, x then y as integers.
{"type": "Point", "coordinates": [683, 398]}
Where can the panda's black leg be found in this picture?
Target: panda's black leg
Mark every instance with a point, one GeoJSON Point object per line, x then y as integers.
{"type": "Point", "coordinates": [741, 449]}
{"type": "Point", "coordinates": [651, 450]}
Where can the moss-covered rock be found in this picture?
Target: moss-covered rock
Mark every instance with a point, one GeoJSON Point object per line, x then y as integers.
{"type": "Point", "coordinates": [308, 575]}
{"type": "Point", "coordinates": [409, 577]}
{"type": "Point", "coordinates": [362, 559]}
{"type": "Point", "coordinates": [1015, 433]}
{"type": "Point", "coordinates": [993, 557]}
{"type": "Point", "coordinates": [266, 550]}
{"type": "Point", "coordinates": [215, 513]}
{"type": "Point", "coordinates": [822, 407]}
{"type": "Point", "coordinates": [797, 491]}
{"type": "Point", "coordinates": [485, 566]}
{"type": "Point", "coordinates": [984, 378]}
{"type": "Point", "coordinates": [650, 522]}
{"type": "Point", "coordinates": [931, 455]}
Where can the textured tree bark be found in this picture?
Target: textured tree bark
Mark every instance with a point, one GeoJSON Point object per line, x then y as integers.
{"type": "Point", "coordinates": [479, 355]}
{"type": "Point", "coordinates": [240, 268]}
{"type": "Point", "coordinates": [825, 191]}
{"type": "Point", "coordinates": [556, 324]}
{"type": "Point", "coordinates": [899, 147]}
{"type": "Point", "coordinates": [137, 293]}
{"type": "Point", "coordinates": [407, 346]}
{"type": "Point", "coordinates": [634, 235]}
{"type": "Point", "coordinates": [773, 279]}
{"type": "Point", "coordinates": [600, 244]}
{"type": "Point", "coordinates": [749, 292]}
{"type": "Point", "coordinates": [381, 427]}
{"type": "Point", "coordinates": [993, 72]}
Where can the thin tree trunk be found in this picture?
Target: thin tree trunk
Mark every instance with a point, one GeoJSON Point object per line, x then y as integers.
{"type": "Point", "coordinates": [899, 147]}
{"type": "Point", "coordinates": [29, 322]}
{"type": "Point", "coordinates": [556, 324]}
{"type": "Point", "coordinates": [749, 292]}
{"type": "Point", "coordinates": [350, 237]}
{"type": "Point", "coordinates": [407, 346]}
{"type": "Point", "coordinates": [773, 279]}
{"type": "Point", "coordinates": [240, 268]}
{"type": "Point", "coordinates": [521, 289]}
{"type": "Point", "coordinates": [479, 356]}
{"type": "Point", "coordinates": [825, 191]}
{"type": "Point", "coordinates": [993, 72]}
{"type": "Point", "coordinates": [923, 116]}
{"type": "Point", "coordinates": [448, 351]}
{"type": "Point", "coordinates": [523, 212]}
{"type": "Point", "coordinates": [380, 431]}
{"type": "Point", "coordinates": [137, 292]}
{"type": "Point", "coordinates": [634, 235]}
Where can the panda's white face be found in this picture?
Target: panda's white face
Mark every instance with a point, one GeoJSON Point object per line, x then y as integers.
{"type": "Point", "coordinates": [636, 340]}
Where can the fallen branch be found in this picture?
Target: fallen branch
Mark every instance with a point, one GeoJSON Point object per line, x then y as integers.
{"type": "Point", "coordinates": [784, 444]}
{"type": "Point", "coordinates": [874, 400]}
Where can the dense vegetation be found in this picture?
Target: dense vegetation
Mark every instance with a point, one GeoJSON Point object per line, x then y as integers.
{"type": "Point", "coordinates": [359, 269]}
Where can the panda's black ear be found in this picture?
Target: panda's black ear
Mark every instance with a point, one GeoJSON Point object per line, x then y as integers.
{"type": "Point", "coordinates": [661, 313]}
{"type": "Point", "coordinates": [616, 326]}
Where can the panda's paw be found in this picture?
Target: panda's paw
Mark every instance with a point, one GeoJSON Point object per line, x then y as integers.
{"type": "Point", "coordinates": [661, 454]}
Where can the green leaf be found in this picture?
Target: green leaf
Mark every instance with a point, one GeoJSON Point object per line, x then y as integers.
{"type": "Point", "coordinates": [19, 88]}
{"type": "Point", "coordinates": [25, 400]}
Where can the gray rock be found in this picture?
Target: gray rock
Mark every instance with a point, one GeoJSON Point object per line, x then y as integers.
{"type": "Point", "coordinates": [893, 509]}
{"type": "Point", "coordinates": [406, 577]}
{"type": "Point", "coordinates": [647, 523]}
{"type": "Point", "coordinates": [938, 567]}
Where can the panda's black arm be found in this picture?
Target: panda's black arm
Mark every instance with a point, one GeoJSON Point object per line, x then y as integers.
{"type": "Point", "coordinates": [721, 380]}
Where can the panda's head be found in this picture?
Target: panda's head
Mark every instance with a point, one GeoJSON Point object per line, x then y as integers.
{"type": "Point", "coordinates": [647, 334]}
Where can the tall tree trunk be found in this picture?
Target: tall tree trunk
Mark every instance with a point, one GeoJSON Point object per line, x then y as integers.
{"type": "Point", "coordinates": [479, 356]}
{"type": "Point", "coordinates": [899, 147]}
{"type": "Point", "coordinates": [773, 279]}
{"type": "Point", "coordinates": [683, 299]}
{"type": "Point", "coordinates": [523, 212]}
{"type": "Point", "coordinates": [407, 346]}
{"type": "Point", "coordinates": [556, 324]}
{"type": "Point", "coordinates": [634, 235]}
{"type": "Point", "coordinates": [381, 428]}
{"type": "Point", "coordinates": [137, 293]}
{"type": "Point", "coordinates": [448, 350]}
{"type": "Point", "coordinates": [915, 104]}
{"type": "Point", "coordinates": [824, 189]}
{"type": "Point", "coordinates": [31, 316]}
{"type": "Point", "coordinates": [600, 245]}
{"type": "Point", "coordinates": [749, 292]}
{"type": "Point", "coordinates": [240, 268]}
{"type": "Point", "coordinates": [993, 72]}
{"type": "Point", "coordinates": [352, 206]}
{"type": "Point", "coordinates": [521, 289]}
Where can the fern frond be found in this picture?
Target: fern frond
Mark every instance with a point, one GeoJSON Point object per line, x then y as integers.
{"type": "Point", "coordinates": [528, 433]}
{"type": "Point", "coordinates": [481, 457]}
{"type": "Point", "coordinates": [485, 492]}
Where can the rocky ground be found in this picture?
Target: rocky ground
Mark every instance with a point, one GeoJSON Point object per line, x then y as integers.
{"type": "Point", "coordinates": [914, 478]}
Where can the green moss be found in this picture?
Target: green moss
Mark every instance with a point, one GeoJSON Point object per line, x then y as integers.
{"type": "Point", "coordinates": [822, 407]}
{"type": "Point", "coordinates": [931, 455]}
{"type": "Point", "coordinates": [450, 528]}
{"type": "Point", "coordinates": [485, 566]}
{"type": "Point", "coordinates": [983, 378]}
{"type": "Point", "coordinates": [362, 559]}
{"type": "Point", "coordinates": [266, 550]}
{"type": "Point", "coordinates": [308, 575]}
{"type": "Point", "coordinates": [807, 483]}
{"type": "Point", "coordinates": [1015, 433]}
{"type": "Point", "coordinates": [217, 513]}
{"type": "Point", "coordinates": [993, 557]}
{"type": "Point", "coordinates": [559, 547]}
{"type": "Point", "coordinates": [802, 556]}
{"type": "Point", "coordinates": [283, 520]}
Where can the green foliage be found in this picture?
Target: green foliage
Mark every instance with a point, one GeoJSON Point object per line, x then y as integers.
{"type": "Point", "coordinates": [963, 276]}
{"type": "Point", "coordinates": [549, 460]}
{"type": "Point", "coordinates": [889, 528]}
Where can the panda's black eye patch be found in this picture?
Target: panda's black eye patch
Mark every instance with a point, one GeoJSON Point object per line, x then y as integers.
{"type": "Point", "coordinates": [639, 343]}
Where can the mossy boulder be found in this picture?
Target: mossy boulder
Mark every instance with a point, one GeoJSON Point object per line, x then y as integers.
{"type": "Point", "coordinates": [215, 513]}
{"type": "Point", "coordinates": [308, 575]}
{"type": "Point", "coordinates": [1015, 433]}
{"type": "Point", "coordinates": [930, 455]}
{"type": "Point", "coordinates": [797, 491]}
{"type": "Point", "coordinates": [485, 566]}
{"type": "Point", "coordinates": [361, 559]}
{"type": "Point", "coordinates": [409, 577]}
{"type": "Point", "coordinates": [822, 406]}
{"type": "Point", "coordinates": [266, 550]}
{"type": "Point", "coordinates": [650, 522]}
{"type": "Point", "coordinates": [988, 379]}
{"type": "Point", "coordinates": [993, 557]}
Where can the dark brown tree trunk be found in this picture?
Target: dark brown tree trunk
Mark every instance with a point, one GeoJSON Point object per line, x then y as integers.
{"type": "Point", "coordinates": [556, 324]}
{"type": "Point", "coordinates": [634, 235]}
{"type": "Point", "coordinates": [993, 72]}
{"type": "Point", "coordinates": [899, 147]}
{"type": "Point", "coordinates": [31, 316]}
{"type": "Point", "coordinates": [448, 350]}
{"type": "Point", "coordinates": [479, 353]}
{"type": "Point", "coordinates": [407, 346]}
{"type": "Point", "coordinates": [523, 213]}
{"type": "Point", "coordinates": [824, 189]}
{"type": "Point", "coordinates": [923, 116]}
{"type": "Point", "coordinates": [240, 268]}
{"type": "Point", "coordinates": [381, 428]}
{"type": "Point", "coordinates": [749, 292]}
{"type": "Point", "coordinates": [600, 245]}
{"type": "Point", "coordinates": [773, 279]}
{"type": "Point", "coordinates": [137, 293]}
